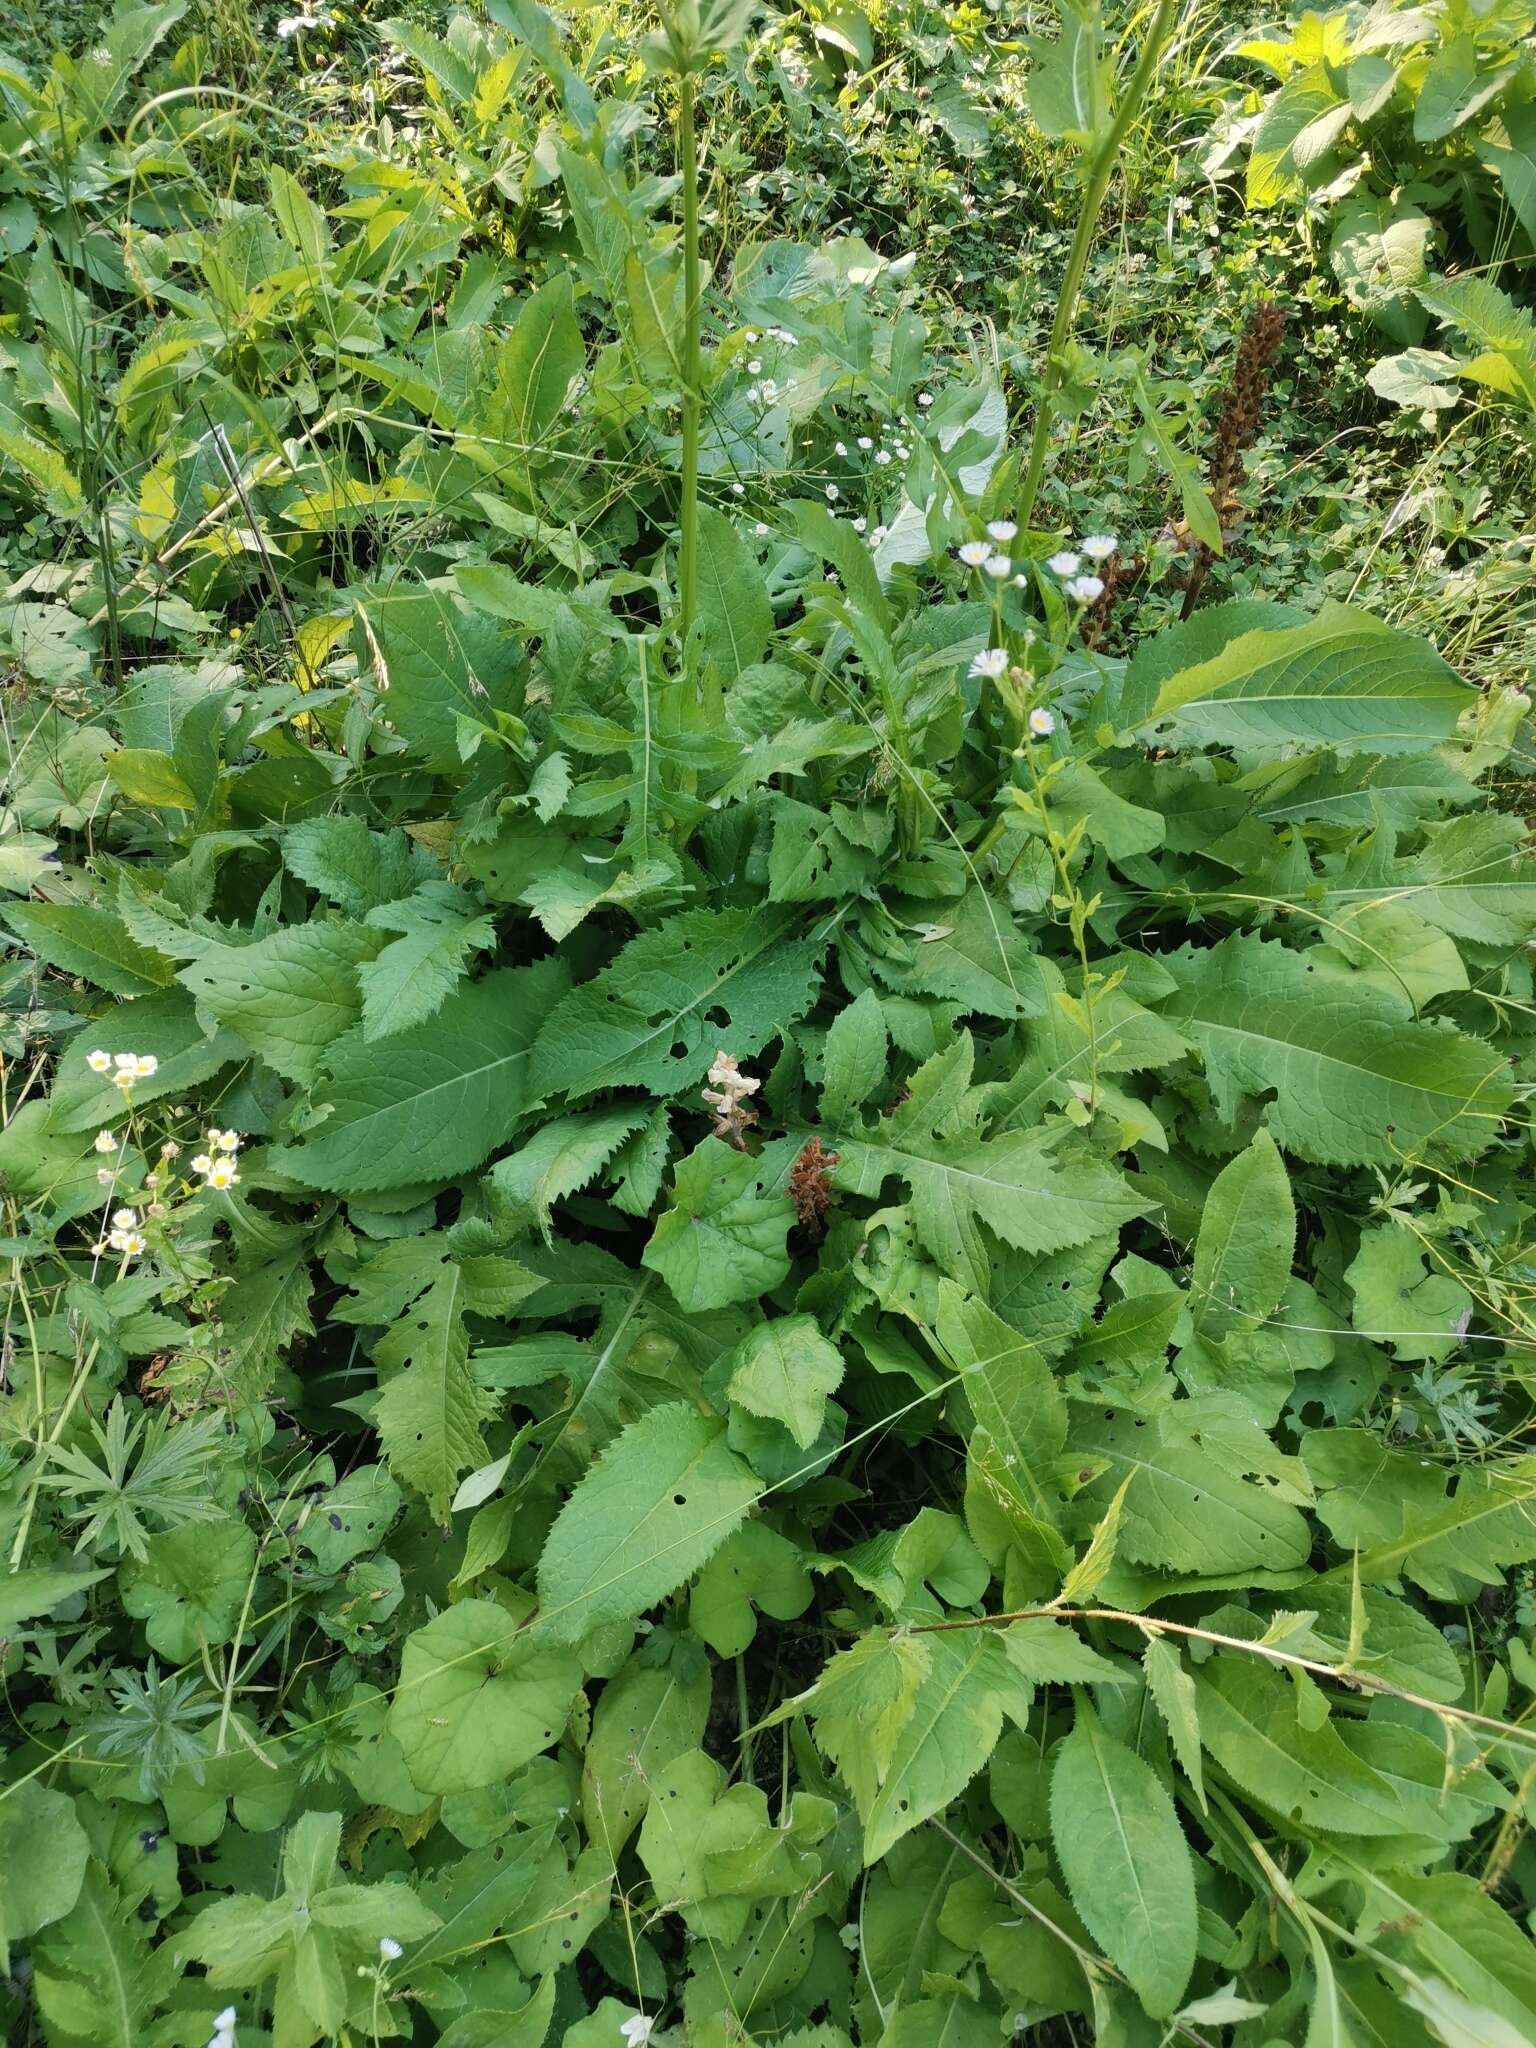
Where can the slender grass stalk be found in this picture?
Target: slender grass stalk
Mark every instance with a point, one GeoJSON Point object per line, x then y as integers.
{"type": "Point", "coordinates": [1082, 242]}
{"type": "Point", "coordinates": [688, 510]}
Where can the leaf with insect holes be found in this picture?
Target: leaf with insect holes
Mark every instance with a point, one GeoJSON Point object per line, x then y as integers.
{"type": "Point", "coordinates": [655, 1017]}
{"type": "Point", "coordinates": [654, 1507]}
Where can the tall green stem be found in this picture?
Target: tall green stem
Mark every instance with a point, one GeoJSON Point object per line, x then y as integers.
{"type": "Point", "coordinates": [1082, 243]}
{"type": "Point", "coordinates": [688, 516]}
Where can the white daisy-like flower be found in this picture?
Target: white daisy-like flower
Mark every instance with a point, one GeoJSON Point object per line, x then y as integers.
{"type": "Point", "coordinates": [105, 1141]}
{"type": "Point", "coordinates": [882, 456]}
{"type": "Point", "coordinates": [135, 1245]}
{"type": "Point", "coordinates": [866, 443]}
{"type": "Point", "coordinates": [761, 529]}
{"type": "Point", "coordinates": [1064, 564]}
{"type": "Point", "coordinates": [125, 1062]}
{"type": "Point", "coordinates": [770, 391]}
{"type": "Point", "coordinates": [1098, 547]}
{"type": "Point", "coordinates": [1042, 723]}
{"type": "Point", "coordinates": [974, 553]}
{"type": "Point", "coordinates": [637, 2031]}
{"type": "Point", "coordinates": [390, 1949]}
{"type": "Point", "coordinates": [755, 367]}
{"type": "Point", "coordinates": [751, 337]}
{"type": "Point", "coordinates": [833, 491]}
{"type": "Point", "coordinates": [998, 567]}
{"type": "Point", "coordinates": [227, 1141]}
{"type": "Point", "coordinates": [123, 1079]}
{"type": "Point", "coordinates": [202, 1163]}
{"type": "Point", "coordinates": [903, 450]}
{"type": "Point", "coordinates": [1085, 588]}
{"type": "Point", "coordinates": [170, 1149]}
{"type": "Point", "coordinates": [859, 525]}
{"type": "Point", "coordinates": [840, 448]}
{"type": "Point", "coordinates": [876, 536]}
{"type": "Point", "coordinates": [124, 1219]}
{"type": "Point", "coordinates": [105, 1175]}
{"type": "Point", "coordinates": [1002, 529]}
{"type": "Point", "coordinates": [221, 1174]}
{"type": "Point", "coordinates": [992, 661]}
{"type": "Point", "coordinates": [99, 1062]}
{"type": "Point", "coordinates": [738, 490]}
{"type": "Point", "coordinates": [925, 399]}
{"type": "Point", "coordinates": [145, 1064]}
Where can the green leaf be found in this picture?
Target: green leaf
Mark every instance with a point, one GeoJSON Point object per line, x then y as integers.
{"type": "Point", "coordinates": [43, 1854]}
{"type": "Point", "coordinates": [411, 979]}
{"type": "Point", "coordinates": [190, 1588]}
{"type": "Point", "coordinates": [1400, 1301]}
{"type": "Point", "coordinates": [723, 1239]}
{"type": "Point", "coordinates": [1173, 1690]}
{"type": "Point", "coordinates": [534, 370]}
{"type": "Point", "coordinates": [430, 1412]}
{"type": "Point", "coordinates": [656, 1016]}
{"type": "Point", "coordinates": [854, 1058]}
{"type": "Point", "coordinates": [358, 870]}
{"type": "Point", "coordinates": [962, 1179]}
{"type": "Point", "coordinates": [560, 1158]}
{"type": "Point", "coordinates": [1246, 1243]}
{"type": "Point", "coordinates": [1189, 1507]}
{"type": "Point", "coordinates": [733, 599]}
{"type": "Point", "coordinates": [1304, 1775]}
{"type": "Point", "coordinates": [644, 1721]}
{"type": "Point", "coordinates": [146, 776]}
{"type": "Point", "coordinates": [1068, 87]}
{"type": "Point", "coordinates": [785, 1369]}
{"type": "Point", "coordinates": [478, 1698]}
{"type": "Point", "coordinates": [1126, 1861]}
{"type": "Point", "coordinates": [290, 995]}
{"type": "Point", "coordinates": [429, 1102]}
{"type": "Point", "coordinates": [755, 1568]}
{"type": "Point", "coordinates": [909, 1721]}
{"type": "Point", "coordinates": [654, 1507]}
{"type": "Point", "coordinates": [1300, 125]}
{"type": "Point", "coordinates": [436, 666]}
{"type": "Point", "coordinates": [1343, 680]}
{"type": "Point", "coordinates": [94, 944]}
{"type": "Point", "coordinates": [1354, 1080]}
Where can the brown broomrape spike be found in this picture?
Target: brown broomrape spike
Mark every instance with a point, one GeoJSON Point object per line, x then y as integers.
{"type": "Point", "coordinates": [810, 1189]}
{"type": "Point", "coordinates": [1239, 428]}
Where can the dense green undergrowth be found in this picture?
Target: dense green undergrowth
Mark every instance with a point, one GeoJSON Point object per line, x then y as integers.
{"type": "Point", "coordinates": [769, 1259]}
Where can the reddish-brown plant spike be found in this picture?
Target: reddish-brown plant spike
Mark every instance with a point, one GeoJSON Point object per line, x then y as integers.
{"type": "Point", "coordinates": [810, 1189]}
{"type": "Point", "coordinates": [1239, 428]}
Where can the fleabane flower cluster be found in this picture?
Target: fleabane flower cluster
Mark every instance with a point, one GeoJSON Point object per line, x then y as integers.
{"type": "Point", "coordinates": [125, 1068]}
{"type": "Point", "coordinates": [217, 1165]}
{"type": "Point", "coordinates": [1080, 584]}
{"type": "Point", "coordinates": [124, 1235]}
{"type": "Point", "coordinates": [728, 1098]}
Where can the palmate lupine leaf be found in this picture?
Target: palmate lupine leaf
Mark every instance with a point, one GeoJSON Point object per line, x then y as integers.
{"type": "Point", "coordinates": [1354, 1079]}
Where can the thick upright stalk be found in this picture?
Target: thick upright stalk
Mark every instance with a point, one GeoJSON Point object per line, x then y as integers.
{"type": "Point", "coordinates": [688, 514]}
{"type": "Point", "coordinates": [1082, 242]}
